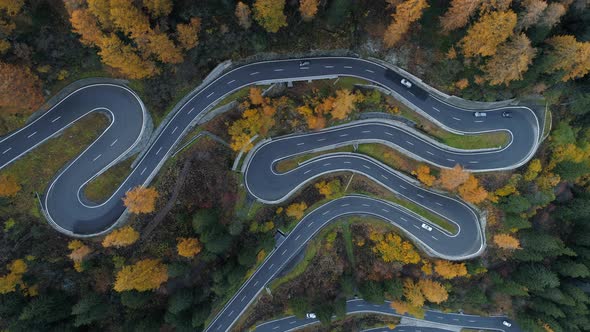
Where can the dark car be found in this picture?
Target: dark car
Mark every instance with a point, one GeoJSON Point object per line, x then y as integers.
{"type": "Point", "coordinates": [506, 114]}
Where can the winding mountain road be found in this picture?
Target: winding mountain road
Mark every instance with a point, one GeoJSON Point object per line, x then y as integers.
{"type": "Point", "coordinates": [70, 213]}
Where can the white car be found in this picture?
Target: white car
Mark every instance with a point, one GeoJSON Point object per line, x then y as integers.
{"type": "Point", "coordinates": [406, 83]}
{"type": "Point", "coordinates": [505, 323]}
{"type": "Point", "coordinates": [426, 227]}
{"type": "Point", "coordinates": [480, 114]}
{"type": "Point", "coordinates": [303, 63]}
{"type": "Point", "coordinates": [310, 315]}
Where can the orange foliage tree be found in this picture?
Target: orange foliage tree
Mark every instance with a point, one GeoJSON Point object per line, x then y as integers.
{"type": "Point", "coordinates": [20, 89]}
{"type": "Point", "coordinates": [114, 53]}
{"type": "Point", "coordinates": [79, 252]}
{"type": "Point", "coordinates": [343, 104]}
{"type": "Point", "coordinates": [141, 199]}
{"type": "Point", "coordinates": [422, 172]}
{"type": "Point", "coordinates": [121, 237]}
{"type": "Point", "coordinates": [8, 185]}
{"type": "Point", "coordinates": [296, 210]}
{"type": "Point", "coordinates": [405, 14]}
{"type": "Point", "coordinates": [458, 14]}
{"type": "Point", "coordinates": [188, 247]}
{"type": "Point", "coordinates": [392, 248]}
{"type": "Point", "coordinates": [158, 8]}
{"type": "Point", "coordinates": [471, 191]}
{"type": "Point", "coordinates": [269, 14]}
{"type": "Point", "coordinates": [506, 241]}
{"type": "Point", "coordinates": [147, 274]}
{"type": "Point", "coordinates": [255, 96]}
{"type": "Point", "coordinates": [511, 61]}
{"type": "Point", "coordinates": [243, 14]}
{"type": "Point", "coordinates": [450, 179]}
{"type": "Point", "coordinates": [569, 56]}
{"type": "Point", "coordinates": [433, 291]}
{"type": "Point", "coordinates": [188, 34]}
{"type": "Point", "coordinates": [413, 293]}
{"type": "Point", "coordinates": [308, 9]}
{"type": "Point", "coordinates": [450, 270]}
{"type": "Point", "coordinates": [490, 31]}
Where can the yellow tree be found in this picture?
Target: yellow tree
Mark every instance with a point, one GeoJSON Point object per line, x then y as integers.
{"type": "Point", "coordinates": [130, 19]}
{"type": "Point", "coordinates": [308, 9]}
{"type": "Point", "coordinates": [86, 25]}
{"type": "Point", "coordinates": [391, 248]}
{"type": "Point", "coordinates": [506, 241]}
{"type": "Point", "coordinates": [188, 34]}
{"type": "Point", "coordinates": [11, 7]}
{"type": "Point", "coordinates": [269, 14]}
{"type": "Point", "coordinates": [147, 274]}
{"type": "Point", "coordinates": [121, 237]}
{"type": "Point", "coordinates": [422, 172]}
{"type": "Point", "coordinates": [124, 58]}
{"type": "Point", "coordinates": [255, 96]}
{"type": "Point", "coordinates": [243, 14]}
{"type": "Point", "coordinates": [533, 170]}
{"type": "Point", "coordinates": [188, 247]}
{"type": "Point", "coordinates": [163, 48]}
{"type": "Point", "coordinates": [486, 34]}
{"type": "Point", "coordinates": [471, 191]}
{"type": "Point", "coordinates": [14, 278]}
{"type": "Point", "coordinates": [413, 293]}
{"type": "Point", "coordinates": [450, 270]}
{"type": "Point", "coordinates": [296, 210]}
{"type": "Point", "coordinates": [158, 8]}
{"type": "Point", "coordinates": [343, 104]}
{"type": "Point", "coordinates": [454, 177]}
{"type": "Point", "coordinates": [101, 9]}
{"type": "Point", "coordinates": [433, 291]}
{"type": "Point", "coordinates": [405, 14]}
{"type": "Point", "coordinates": [568, 56]}
{"type": "Point", "coordinates": [8, 185]}
{"type": "Point", "coordinates": [141, 199]}
{"type": "Point", "coordinates": [458, 14]}
{"type": "Point", "coordinates": [79, 252]}
{"type": "Point", "coordinates": [328, 189]}
{"type": "Point", "coordinates": [511, 61]}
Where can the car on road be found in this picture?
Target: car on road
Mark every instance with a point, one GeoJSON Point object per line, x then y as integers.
{"type": "Point", "coordinates": [505, 323]}
{"type": "Point", "coordinates": [310, 315]}
{"type": "Point", "coordinates": [304, 63]}
{"type": "Point", "coordinates": [426, 227]}
{"type": "Point", "coordinates": [480, 114]}
{"type": "Point", "coordinates": [406, 83]}
{"type": "Point", "coordinates": [506, 114]}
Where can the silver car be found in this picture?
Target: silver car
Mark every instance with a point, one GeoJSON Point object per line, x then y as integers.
{"type": "Point", "coordinates": [406, 83]}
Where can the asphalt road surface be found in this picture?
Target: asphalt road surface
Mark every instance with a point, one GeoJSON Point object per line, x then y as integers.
{"type": "Point", "coordinates": [360, 306]}
{"type": "Point", "coordinates": [69, 212]}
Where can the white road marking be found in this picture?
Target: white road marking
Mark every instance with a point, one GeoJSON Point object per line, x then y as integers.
{"type": "Point", "coordinates": [143, 171]}
{"type": "Point", "coordinates": [33, 134]}
{"type": "Point", "coordinates": [404, 219]}
{"type": "Point", "coordinates": [230, 82]}
{"type": "Point", "coordinates": [114, 142]}
{"type": "Point", "coordinates": [474, 162]}
{"type": "Point", "coordinates": [173, 131]}
{"type": "Point", "coordinates": [457, 119]}
{"type": "Point", "coordinates": [256, 283]}
{"type": "Point", "coordinates": [385, 177]}
{"type": "Point", "coordinates": [323, 214]}
{"type": "Point", "coordinates": [6, 150]}
{"type": "Point", "coordinates": [343, 135]}
{"type": "Point", "coordinates": [300, 144]}
{"type": "Point", "coordinates": [366, 131]}
{"type": "Point", "coordinates": [293, 322]}
{"type": "Point", "coordinates": [416, 226]}
{"type": "Point", "coordinates": [384, 210]}
{"type": "Point", "coordinates": [231, 313]}
{"type": "Point", "coordinates": [348, 67]}
{"type": "Point", "coordinates": [96, 158]}
{"type": "Point", "coordinates": [343, 205]}
{"type": "Point", "coordinates": [280, 69]}
{"type": "Point", "coordinates": [367, 205]}
{"type": "Point", "coordinates": [254, 73]}
{"type": "Point", "coordinates": [347, 162]}
{"type": "Point", "coordinates": [328, 66]}
{"type": "Point", "coordinates": [160, 149]}
{"type": "Point", "coordinates": [409, 142]}
{"type": "Point", "coordinates": [276, 327]}
{"type": "Point", "coordinates": [403, 187]}
{"type": "Point", "coordinates": [284, 252]}
{"type": "Point", "coordinates": [327, 164]}
{"type": "Point", "coordinates": [419, 195]}
{"type": "Point", "coordinates": [309, 225]}
{"type": "Point", "coordinates": [478, 121]}
{"type": "Point", "coordinates": [436, 109]}
{"type": "Point", "coordinates": [450, 159]}
{"type": "Point", "coordinates": [243, 299]}
{"type": "Point", "coordinates": [298, 236]}
{"type": "Point", "coordinates": [434, 238]}
{"type": "Point", "coordinates": [367, 167]}
{"type": "Point", "coordinates": [430, 153]}
{"type": "Point", "coordinates": [321, 139]}
{"type": "Point", "coordinates": [211, 94]}
{"type": "Point", "coordinates": [309, 170]}
{"type": "Point", "coordinates": [388, 133]}
{"type": "Point", "coordinates": [192, 109]}
{"type": "Point", "coordinates": [52, 121]}
{"type": "Point", "coordinates": [439, 204]}
{"type": "Point", "coordinates": [370, 71]}
{"type": "Point", "coordinates": [271, 265]}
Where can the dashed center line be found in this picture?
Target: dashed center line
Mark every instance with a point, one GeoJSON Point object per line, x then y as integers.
{"type": "Point", "coordinates": [327, 164]}
{"type": "Point", "coordinates": [430, 153]}
{"type": "Point", "coordinates": [421, 196]}
{"type": "Point", "coordinates": [369, 71]}
{"type": "Point", "coordinates": [298, 236]}
{"type": "Point", "coordinates": [328, 66]}
{"type": "Point", "coordinates": [6, 150]}
{"type": "Point", "coordinates": [230, 82]}
{"type": "Point", "coordinates": [173, 131]}
{"type": "Point", "coordinates": [52, 121]}
{"type": "Point", "coordinates": [366, 131]}
{"type": "Point", "coordinates": [211, 94]}
{"type": "Point", "coordinates": [388, 133]}
{"type": "Point", "coordinates": [416, 226]}
{"type": "Point", "coordinates": [385, 177]}
{"type": "Point", "coordinates": [114, 142]}
{"type": "Point", "coordinates": [284, 252]}
{"type": "Point", "coordinates": [367, 167]}
{"type": "Point", "coordinates": [478, 121]}
{"type": "Point", "coordinates": [348, 67]}
{"type": "Point", "coordinates": [323, 214]}
{"type": "Point", "coordinates": [300, 144]}
{"type": "Point", "coordinates": [321, 139]}
{"type": "Point", "coordinates": [143, 171]}
{"type": "Point", "coordinates": [437, 203]}
{"type": "Point", "coordinates": [404, 219]}
{"type": "Point", "coordinates": [33, 134]}
{"type": "Point", "coordinates": [343, 205]}
{"type": "Point", "coordinates": [434, 238]}
{"type": "Point", "coordinates": [366, 205]}
{"type": "Point", "coordinates": [309, 170]}
{"type": "Point", "coordinates": [96, 158]}
{"type": "Point", "coordinates": [256, 283]}
{"type": "Point", "coordinates": [402, 187]}
{"type": "Point", "coordinates": [436, 109]}
{"type": "Point", "coordinates": [384, 210]}
{"type": "Point", "coordinates": [456, 119]}
{"type": "Point", "coordinates": [450, 159]}
{"type": "Point", "coordinates": [343, 135]}
{"type": "Point", "coordinates": [474, 162]}
{"type": "Point", "coordinates": [160, 149]}
{"type": "Point", "coordinates": [347, 162]}
{"type": "Point", "coordinates": [192, 109]}
{"type": "Point", "coordinates": [271, 265]}
{"type": "Point", "coordinates": [409, 142]}
{"type": "Point", "coordinates": [254, 73]}
{"type": "Point", "coordinates": [280, 69]}
{"type": "Point", "coordinates": [243, 299]}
